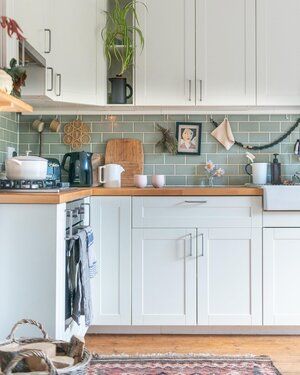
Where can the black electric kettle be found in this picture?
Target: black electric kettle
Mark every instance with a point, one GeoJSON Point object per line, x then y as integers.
{"type": "Point", "coordinates": [80, 169]}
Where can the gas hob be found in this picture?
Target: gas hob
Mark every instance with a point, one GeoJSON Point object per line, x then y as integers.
{"type": "Point", "coordinates": [32, 186]}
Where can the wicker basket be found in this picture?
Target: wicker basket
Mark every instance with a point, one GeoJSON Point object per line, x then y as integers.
{"type": "Point", "coordinates": [78, 369]}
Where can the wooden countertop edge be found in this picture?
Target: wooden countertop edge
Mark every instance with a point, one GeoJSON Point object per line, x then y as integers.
{"type": "Point", "coordinates": [70, 195]}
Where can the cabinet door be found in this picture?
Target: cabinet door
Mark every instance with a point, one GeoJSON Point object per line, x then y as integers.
{"type": "Point", "coordinates": [33, 18]}
{"type": "Point", "coordinates": [111, 221]}
{"type": "Point", "coordinates": [278, 52]}
{"type": "Point", "coordinates": [230, 276]}
{"type": "Point", "coordinates": [164, 277]}
{"type": "Point", "coordinates": [165, 69]}
{"type": "Point", "coordinates": [225, 52]}
{"type": "Point", "coordinates": [76, 45]}
{"type": "Point", "coordinates": [281, 276]}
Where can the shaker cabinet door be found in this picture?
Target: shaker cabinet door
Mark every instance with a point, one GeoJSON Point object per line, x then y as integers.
{"type": "Point", "coordinates": [225, 52]}
{"type": "Point", "coordinates": [164, 277]}
{"type": "Point", "coordinates": [111, 222]}
{"type": "Point", "coordinates": [281, 276]}
{"type": "Point", "coordinates": [229, 276]}
{"type": "Point", "coordinates": [278, 52]}
{"type": "Point", "coordinates": [165, 69]}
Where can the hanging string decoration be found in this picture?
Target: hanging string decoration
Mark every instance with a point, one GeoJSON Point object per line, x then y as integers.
{"type": "Point", "coordinates": [268, 145]}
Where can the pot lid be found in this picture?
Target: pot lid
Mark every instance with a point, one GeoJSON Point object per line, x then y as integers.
{"type": "Point", "coordinates": [28, 157]}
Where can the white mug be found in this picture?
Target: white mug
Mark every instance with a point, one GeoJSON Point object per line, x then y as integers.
{"type": "Point", "coordinates": [158, 180]}
{"type": "Point", "coordinates": [140, 180]}
{"type": "Point", "coordinates": [259, 173]}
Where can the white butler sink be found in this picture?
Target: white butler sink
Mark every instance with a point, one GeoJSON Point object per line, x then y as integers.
{"type": "Point", "coordinates": [281, 198]}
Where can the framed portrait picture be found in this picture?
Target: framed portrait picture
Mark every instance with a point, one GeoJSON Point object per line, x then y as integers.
{"type": "Point", "coordinates": [188, 136]}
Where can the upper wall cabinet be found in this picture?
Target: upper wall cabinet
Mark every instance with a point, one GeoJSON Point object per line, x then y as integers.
{"type": "Point", "coordinates": [75, 49]}
{"type": "Point", "coordinates": [165, 69]}
{"type": "Point", "coordinates": [33, 18]}
{"type": "Point", "coordinates": [278, 52]}
{"type": "Point", "coordinates": [202, 52]}
{"type": "Point", "coordinates": [225, 52]}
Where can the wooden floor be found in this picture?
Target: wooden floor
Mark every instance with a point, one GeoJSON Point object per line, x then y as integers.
{"type": "Point", "coordinates": [284, 350]}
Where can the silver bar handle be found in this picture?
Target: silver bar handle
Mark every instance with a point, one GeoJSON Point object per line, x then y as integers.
{"type": "Point", "coordinates": [191, 244]}
{"type": "Point", "coordinates": [52, 77]}
{"type": "Point", "coordinates": [82, 210]}
{"type": "Point", "coordinates": [58, 76]}
{"type": "Point", "coordinates": [48, 50]}
{"type": "Point", "coordinates": [201, 87]}
{"type": "Point", "coordinates": [202, 245]}
{"type": "Point", "coordinates": [195, 202]}
{"type": "Point", "coordinates": [190, 90]}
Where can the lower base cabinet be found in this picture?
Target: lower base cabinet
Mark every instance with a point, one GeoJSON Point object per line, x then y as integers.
{"type": "Point", "coordinates": [230, 276]}
{"type": "Point", "coordinates": [164, 277]}
{"type": "Point", "coordinates": [197, 276]}
{"type": "Point", "coordinates": [281, 276]}
{"type": "Point", "coordinates": [111, 222]}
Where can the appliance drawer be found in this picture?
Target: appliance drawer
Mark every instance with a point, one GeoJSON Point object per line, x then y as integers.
{"type": "Point", "coordinates": [202, 211]}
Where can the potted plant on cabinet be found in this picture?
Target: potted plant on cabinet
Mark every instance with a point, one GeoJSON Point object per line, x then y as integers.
{"type": "Point", "coordinates": [122, 25]}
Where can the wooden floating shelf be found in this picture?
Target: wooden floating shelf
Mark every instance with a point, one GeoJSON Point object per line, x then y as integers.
{"type": "Point", "coordinates": [9, 103]}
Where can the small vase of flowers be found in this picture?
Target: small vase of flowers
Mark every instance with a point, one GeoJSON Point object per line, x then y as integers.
{"type": "Point", "coordinates": [213, 171]}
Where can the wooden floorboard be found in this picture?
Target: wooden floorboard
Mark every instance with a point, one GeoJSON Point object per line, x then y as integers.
{"type": "Point", "coordinates": [284, 350]}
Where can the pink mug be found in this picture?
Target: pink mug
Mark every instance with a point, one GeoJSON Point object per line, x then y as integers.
{"type": "Point", "coordinates": [140, 180]}
{"type": "Point", "coordinates": [158, 180]}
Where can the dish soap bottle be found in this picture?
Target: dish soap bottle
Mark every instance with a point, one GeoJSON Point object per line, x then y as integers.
{"type": "Point", "coordinates": [275, 171]}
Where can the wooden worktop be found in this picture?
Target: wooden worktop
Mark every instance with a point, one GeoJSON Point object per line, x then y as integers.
{"type": "Point", "coordinates": [77, 193]}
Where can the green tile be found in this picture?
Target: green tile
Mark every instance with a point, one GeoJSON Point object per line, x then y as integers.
{"type": "Point", "coordinates": [96, 138]}
{"type": "Point", "coordinates": [148, 149]}
{"type": "Point", "coordinates": [147, 127]}
{"type": "Point", "coordinates": [99, 148]}
{"type": "Point", "coordinates": [176, 180]}
{"type": "Point", "coordinates": [91, 118]}
{"type": "Point", "coordinates": [175, 159]}
{"type": "Point", "coordinates": [164, 169]}
{"type": "Point", "coordinates": [185, 170]}
{"type": "Point", "coordinates": [238, 118]}
{"type": "Point", "coordinates": [123, 127]}
{"type": "Point", "coordinates": [98, 127]}
{"type": "Point", "coordinates": [59, 149]}
{"type": "Point", "coordinates": [152, 137]}
{"type": "Point", "coordinates": [29, 138]}
{"type": "Point", "coordinates": [287, 148]}
{"type": "Point", "coordinates": [154, 159]}
{"type": "Point", "coordinates": [249, 127]}
{"type": "Point", "coordinates": [149, 169]}
{"type": "Point", "coordinates": [196, 159]}
{"type": "Point", "coordinates": [107, 136]}
{"type": "Point", "coordinates": [286, 126]}
{"type": "Point", "coordinates": [179, 118]}
{"type": "Point", "coordinates": [279, 118]}
{"type": "Point", "coordinates": [196, 118]}
{"type": "Point", "coordinates": [52, 138]}
{"type": "Point", "coordinates": [259, 117]}
{"type": "Point", "coordinates": [270, 126]}
{"type": "Point", "coordinates": [217, 158]}
{"type": "Point", "coordinates": [209, 148]}
{"type": "Point", "coordinates": [238, 180]}
{"type": "Point", "coordinates": [230, 170]}
{"type": "Point", "coordinates": [194, 180]}
{"type": "Point", "coordinates": [132, 118]}
{"type": "Point", "coordinates": [259, 137]}
{"type": "Point", "coordinates": [138, 136]}
{"type": "Point", "coordinates": [236, 159]}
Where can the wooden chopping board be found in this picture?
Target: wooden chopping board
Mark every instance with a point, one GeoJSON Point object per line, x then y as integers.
{"type": "Point", "coordinates": [129, 154]}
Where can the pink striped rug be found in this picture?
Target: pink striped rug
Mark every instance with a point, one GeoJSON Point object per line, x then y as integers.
{"type": "Point", "coordinates": [176, 364]}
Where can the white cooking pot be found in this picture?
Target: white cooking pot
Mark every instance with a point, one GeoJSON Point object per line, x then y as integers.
{"type": "Point", "coordinates": [26, 167]}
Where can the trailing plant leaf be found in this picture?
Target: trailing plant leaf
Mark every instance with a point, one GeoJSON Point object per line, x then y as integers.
{"type": "Point", "coordinates": [168, 141]}
{"type": "Point", "coordinates": [119, 34]}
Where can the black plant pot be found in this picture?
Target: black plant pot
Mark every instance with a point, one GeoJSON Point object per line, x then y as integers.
{"type": "Point", "coordinates": [118, 90]}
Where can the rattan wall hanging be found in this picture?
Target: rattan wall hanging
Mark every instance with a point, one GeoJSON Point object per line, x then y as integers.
{"type": "Point", "coordinates": [76, 134]}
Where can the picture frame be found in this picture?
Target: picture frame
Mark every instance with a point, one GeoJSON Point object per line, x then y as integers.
{"type": "Point", "coordinates": [188, 135]}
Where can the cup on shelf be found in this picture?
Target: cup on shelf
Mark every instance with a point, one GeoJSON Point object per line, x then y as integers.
{"type": "Point", "coordinates": [140, 180]}
{"type": "Point", "coordinates": [158, 180]}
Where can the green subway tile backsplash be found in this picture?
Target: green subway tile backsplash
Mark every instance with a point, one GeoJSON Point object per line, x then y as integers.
{"type": "Point", "coordinates": [179, 169]}
{"type": "Point", "coordinates": [8, 134]}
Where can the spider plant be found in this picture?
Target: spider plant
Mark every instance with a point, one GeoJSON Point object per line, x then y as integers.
{"type": "Point", "coordinates": [118, 34]}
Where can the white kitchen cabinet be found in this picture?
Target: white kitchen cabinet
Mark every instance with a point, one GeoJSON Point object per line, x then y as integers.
{"type": "Point", "coordinates": [278, 52]}
{"type": "Point", "coordinates": [111, 221]}
{"type": "Point", "coordinates": [281, 261]}
{"type": "Point", "coordinates": [33, 18]}
{"type": "Point", "coordinates": [229, 276]}
{"type": "Point", "coordinates": [225, 52]}
{"type": "Point", "coordinates": [8, 46]}
{"type": "Point", "coordinates": [164, 276]}
{"type": "Point", "coordinates": [165, 69]}
{"type": "Point", "coordinates": [77, 50]}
